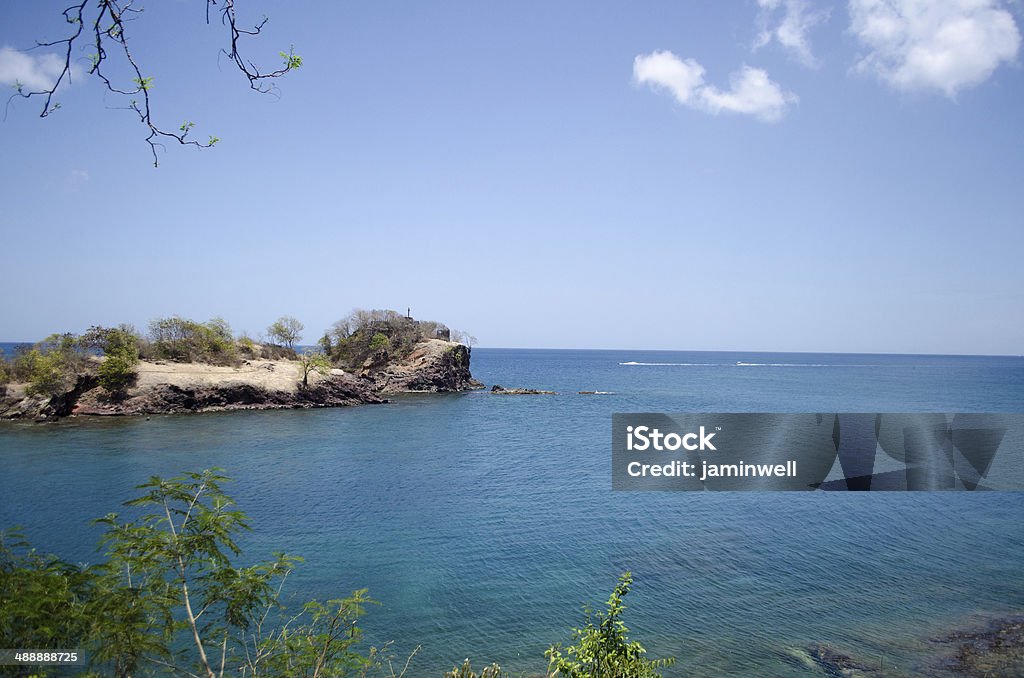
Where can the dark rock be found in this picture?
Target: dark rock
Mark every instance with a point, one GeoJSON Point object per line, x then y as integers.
{"type": "Point", "coordinates": [434, 366]}
{"type": "Point", "coordinates": [498, 389]}
{"type": "Point", "coordinates": [335, 391]}
{"type": "Point", "coordinates": [996, 650]}
{"type": "Point", "coordinates": [835, 664]}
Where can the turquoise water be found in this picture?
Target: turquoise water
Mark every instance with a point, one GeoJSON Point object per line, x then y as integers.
{"type": "Point", "coordinates": [482, 523]}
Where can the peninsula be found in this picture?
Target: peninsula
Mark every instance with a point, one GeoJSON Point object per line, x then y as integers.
{"type": "Point", "coordinates": [182, 365]}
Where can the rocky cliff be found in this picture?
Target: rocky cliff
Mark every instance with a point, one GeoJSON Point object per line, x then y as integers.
{"type": "Point", "coordinates": [434, 365]}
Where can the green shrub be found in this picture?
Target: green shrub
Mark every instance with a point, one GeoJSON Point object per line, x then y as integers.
{"type": "Point", "coordinates": [184, 340]}
{"type": "Point", "coordinates": [602, 648]}
{"type": "Point", "coordinates": [47, 373]}
{"type": "Point", "coordinates": [51, 366]}
{"type": "Point", "coordinates": [379, 342]}
{"type": "Point", "coordinates": [42, 598]}
{"type": "Point", "coordinates": [117, 371]}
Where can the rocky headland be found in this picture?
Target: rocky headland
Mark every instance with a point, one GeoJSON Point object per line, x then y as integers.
{"type": "Point", "coordinates": [164, 387]}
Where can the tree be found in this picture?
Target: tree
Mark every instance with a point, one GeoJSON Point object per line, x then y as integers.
{"type": "Point", "coordinates": [602, 648]}
{"type": "Point", "coordinates": [170, 584]}
{"type": "Point", "coordinates": [42, 598]}
{"type": "Point", "coordinates": [52, 366]}
{"type": "Point", "coordinates": [464, 338]}
{"type": "Point", "coordinates": [104, 25]}
{"type": "Point", "coordinates": [169, 599]}
{"type": "Point", "coordinates": [285, 331]}
{"type": "Point", "coordinates": [120, 346]}
{"type": "Point", "coordinates": [313, 362]}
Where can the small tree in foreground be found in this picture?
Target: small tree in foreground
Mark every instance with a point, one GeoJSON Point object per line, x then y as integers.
{"type": "Point", "coordinates": [173, 598]}
{"type": "Point", "coordinates": [602, 648]}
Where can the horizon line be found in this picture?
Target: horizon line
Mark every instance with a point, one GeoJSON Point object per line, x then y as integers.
{"type": "Point", "coordinates": [704, 350]}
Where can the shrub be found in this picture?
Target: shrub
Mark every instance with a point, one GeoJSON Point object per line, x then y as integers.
{"type": "Point", "coordinates": [117, 371]}
{"type": "Point", "coordinates": [466, 671]}
{"type": "Point", "coordinates": [379, 342]}
{"type": "Point", "coordinates": [46, 373]}
{"type": "Point", "coordinates": [272, 352]}
{"type": "Point", "coordinates": [41, 597]}
{"type": "Point", "coordinates": [602, 649]}
{"type": "Point", "coordinates": [184, 340]}
{"type": "Point", "coordinates": [51, 366]}
{"type": "Point", "coordinates": [120, 345]}
{"type": "Point", "coordinates": [246, 346]}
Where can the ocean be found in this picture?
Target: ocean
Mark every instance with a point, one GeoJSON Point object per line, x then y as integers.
{"type": "Point", "coordinates": [484, 523]}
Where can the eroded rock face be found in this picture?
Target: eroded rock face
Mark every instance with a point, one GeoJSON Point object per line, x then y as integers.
{"type": "Point", "coordinates": [335, 391]}
{"type": "Point", "coordinates": [16, 403]}
{"type": "Point", "coordinates": [434, 365]}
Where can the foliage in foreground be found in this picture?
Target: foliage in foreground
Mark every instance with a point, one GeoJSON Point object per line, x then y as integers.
{"type": "Point", "coordinates": [466, 671]}
{"type": "Point", "coordinates": [602, 649]}
{"type": "Point", "coordinates": [171, 600]}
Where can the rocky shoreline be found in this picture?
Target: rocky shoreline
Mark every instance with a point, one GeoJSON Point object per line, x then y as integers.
{"type": "Point", "coordinates": [995, 649]}
{"type": "Point", "coordinates": [164, 387]}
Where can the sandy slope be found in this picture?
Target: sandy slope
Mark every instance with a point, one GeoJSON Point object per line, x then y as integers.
{"type": "Point", "coordinates": [272, 375]}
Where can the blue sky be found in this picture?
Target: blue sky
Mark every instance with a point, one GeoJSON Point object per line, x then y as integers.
{"type": "Point", "coordinates": [775, 175]}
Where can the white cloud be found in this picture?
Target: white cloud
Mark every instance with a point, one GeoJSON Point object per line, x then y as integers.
{"type": "Point", "coordinates": [35, 72]}
{"type": "Point", "coordinates": [791, 31]}
{"type": "Point", "coordinates": [751, 91]}
{"type": "Point", "coordinates": [684, 79]}
{"type": "Point", "coordinates": [922, 44]}
{"type": "Point", "coordinates": [79, 176]}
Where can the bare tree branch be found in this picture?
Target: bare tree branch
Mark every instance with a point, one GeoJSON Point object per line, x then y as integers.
{"type": "Point", "coordinates": [107, 21]}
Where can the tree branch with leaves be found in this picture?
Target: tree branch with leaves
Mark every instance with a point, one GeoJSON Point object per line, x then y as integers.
{"type": "Point", "coordinates": [104, 26]}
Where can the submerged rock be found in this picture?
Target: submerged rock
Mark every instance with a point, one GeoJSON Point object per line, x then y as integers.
{"type": "Point", "coordinates": [835, 664]}
{"type": "Point", "coordinates": [997, 650]}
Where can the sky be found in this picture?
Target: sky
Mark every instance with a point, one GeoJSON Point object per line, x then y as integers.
{"type": "Point", "coordinates": [769, 175]}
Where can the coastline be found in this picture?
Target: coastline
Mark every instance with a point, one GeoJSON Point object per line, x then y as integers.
{"type": "Point", "coordinates": [169, 387]}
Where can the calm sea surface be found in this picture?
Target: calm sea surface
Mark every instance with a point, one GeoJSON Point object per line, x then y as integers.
{"type": "Point", "coordinates": [483, 523]}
